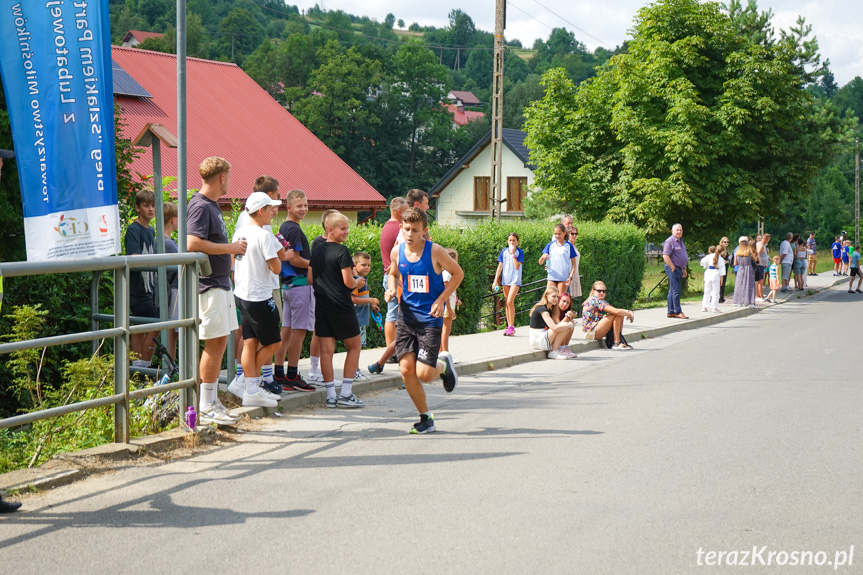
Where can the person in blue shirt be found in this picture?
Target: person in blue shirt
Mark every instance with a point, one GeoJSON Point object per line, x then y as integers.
{"type": "Point", "coordinates": [837, 255]}
{"type": "Point", "coordinates": [417, 265]}
{"type": "Point", "coordinates": [508, 275]}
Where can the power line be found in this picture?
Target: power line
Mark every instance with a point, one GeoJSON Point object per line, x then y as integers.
{"type": "Point", "coordinates": [585, 32]}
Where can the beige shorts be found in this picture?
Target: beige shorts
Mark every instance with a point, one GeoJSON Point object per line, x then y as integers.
{"type": "Point", "coordinates": [590, 334]}
{"type": "Point", "coordinates": [217, 312]}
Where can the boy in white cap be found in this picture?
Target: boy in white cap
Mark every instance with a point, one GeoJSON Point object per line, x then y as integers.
{"type": "Point", "coordinates": [253, 295]}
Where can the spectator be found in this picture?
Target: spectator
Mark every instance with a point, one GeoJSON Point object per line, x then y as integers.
{"type": "Point", "coordinates": [141, 240]}
{"type": "Point", "coordinates": [801, 256]}
{"type": "Point", "coordinates": [714, 268]}
{"type": "Point", "coordinates": [545, 333]}
{"type": "Point", "coordinates": [206, 233]}
{"type": "Point", "coordinates": [744, 285]}
{"type": "Point", "coordinates": [598, 317]}
{"type": "Point", "coordinates": [390, 234]}
{"type": "Point", "coordinates": [575, 286]}
{"type": "Point", "coordinates": [566, 220]}
{"type": "Point", "coordinates": [837, 255]}
{"type": "Point", "coordinates": [508, 274]}
{"type": "Point", "coordinates": [855, 270]}
{"type": "Point", "coordinates": [560, 256]}
{"type": "Point", "coordinates": [763, 263]}
{"type": "Point", "coordinates": [676, 259]}
{"type": "Point", "coordinates": [811, 244]}
{"type": "Point", "coordinates": [723, 278]}
{"type": "Point", "coordinates": [786, 259]}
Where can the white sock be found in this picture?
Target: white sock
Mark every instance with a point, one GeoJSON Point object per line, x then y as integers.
{"type": "Point", "coordinates": [267, 372]}
{"type": "Point", "coordinates": [331, 389]}
{"type": "Point", "coordinates": [315, 367]}
{"type": "Point", "coordinates": [347, 387]}
{"type": "Point", "coordinates": [252, 385]}
{"type": "Point", "coordinates": [208, 395]}
{"type": "Point", "coordinates": [239, 369]}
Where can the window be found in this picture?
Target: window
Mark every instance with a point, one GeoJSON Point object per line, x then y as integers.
{"type": "Point", "coordinates": [481, 192]}
{"type": "Point", "coordinates": [516, 191]}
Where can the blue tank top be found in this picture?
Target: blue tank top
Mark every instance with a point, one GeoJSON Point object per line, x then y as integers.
{"type": "Point", "coordinates": [421, 286]}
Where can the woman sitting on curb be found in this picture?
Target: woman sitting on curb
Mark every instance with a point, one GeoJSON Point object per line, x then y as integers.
{"type": "Point", "coordinates": [545, 333]}
{"type": "Point", "coordinates": [598, 316]}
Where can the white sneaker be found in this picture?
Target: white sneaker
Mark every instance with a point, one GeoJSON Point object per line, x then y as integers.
{"type": "Point", "coordinates": [717, 310]}
{"type": "Point", "coordinates": [360, 376]}
{"type": "Point", "coordinates": [751, 305]}
{"type": "Point", "coordinates": [704, 309]}
{"type": "Point", "coordinates": [212, 414]}
{"type": "Point", "coordinates": [237, 386]}
{"type": "Point", "coordinates": [258, 399]}
{"type": "Point", "coordinates": [553, 354]}
{"type": "Point", "coordinates": [316, 377]}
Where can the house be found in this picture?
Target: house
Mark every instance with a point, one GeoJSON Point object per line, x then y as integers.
{"type": "Point", "coordinates": [463, 99]}
{"type": "Point", "coordinates": [460, 116]}
{"type": "Point", "coordinates": [229, 115]}
{"type": "Point", "coordinates": [463, 194]}
{"type": "Point", "coordinates": [135, 37]}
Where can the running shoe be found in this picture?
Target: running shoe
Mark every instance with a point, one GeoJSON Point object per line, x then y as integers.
{"type": "Point", "coordinates": [553, 354]}
{"type": "Point", "coordinates": [448, 375]}
{"type": "Point", "coordinates": [376, 368]}
{"type": "Point", "coordinates": [258, 399]}
{"type": "Point", "coordinates": [272, 387]}
{"type": "Point", "coordinates": [316, 377]}
{"type": "Point", "coordinates": [360, 376]}
{"type": "Point", "coordinates": [297, 384]}
{"type": "Point", "coordinates": [237, 386]}
{"type": "Point", "coordinates": [350, 401]}
{"type": "Point", "coordinates": [568, 353]}
{"type": "Point", "coordinates": [424, 425]}
{"type": "Point", "coordinates": [332, 402]}
{"type": "Point", "coordinates": [213, 415]}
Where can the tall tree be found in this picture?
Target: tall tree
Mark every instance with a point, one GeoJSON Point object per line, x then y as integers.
{"type": "Point", "coordinates": [240, 34]}
{"type": "Point", "coordinates": [697, 123]}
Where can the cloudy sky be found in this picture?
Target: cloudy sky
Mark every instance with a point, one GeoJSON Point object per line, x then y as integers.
{"type": "Point", "coordinates": [838, 24]}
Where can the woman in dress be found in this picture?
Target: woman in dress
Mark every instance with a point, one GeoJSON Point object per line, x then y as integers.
{"type": "Point", "coordinates": [744, 285]}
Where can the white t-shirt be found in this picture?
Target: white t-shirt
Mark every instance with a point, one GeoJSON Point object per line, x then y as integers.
{"type": "Point", "coordinates": [253, 278]}
{"type": "Point", "coordinates": [446, 277]}
{"type": "Point", "coordinates": [245, 221]}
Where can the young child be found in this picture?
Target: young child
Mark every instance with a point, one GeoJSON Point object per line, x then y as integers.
{"type": "Point", "coordinates": [315, 375]}
{"type": "Point", "coordinates": [169, 214]}
{"type": "Point", "coordinates": [508, 275]}
{"type": "Point", "coordinates": [297, 296]}
{"type": "Point", "coordinates": [140, 239]}
{"type": "Point", "coordinates": [418, 264]}
{"type": "Point", "coordinates": [846, 257]}
{"type": "Point", "coordinates": [774, 279]}
{"type": "Point", "coordinates": [253, 293]}
{"type": "Point", "coordinates": [451, 304]}
{"type": "Point", "coordinates": [836, 247]}
{"type": "Point", "coordinates": [331, 270]}
{"type": "Point", "coordinates": [855, 270]}
{"type": "Point", "coordinates": [560, 255]}
{"type": "Point", "coordinates": [363, 303]}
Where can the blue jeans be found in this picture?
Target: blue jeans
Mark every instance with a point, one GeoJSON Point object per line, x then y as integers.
{"type": "Point", "coordinates": [674, 279]}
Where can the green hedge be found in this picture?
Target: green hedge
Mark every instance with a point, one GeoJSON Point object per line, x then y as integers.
{"type": "Point", "coordinates": [613, 253]}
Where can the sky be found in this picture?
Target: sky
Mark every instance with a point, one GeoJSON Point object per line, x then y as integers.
{"type": "Point", "coordinates": [607, 22]}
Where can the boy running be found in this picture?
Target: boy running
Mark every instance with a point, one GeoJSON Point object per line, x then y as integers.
{"type": "Point", "coordinates": [418, 264]}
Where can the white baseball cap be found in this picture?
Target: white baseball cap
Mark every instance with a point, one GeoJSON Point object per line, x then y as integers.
{"type": "Point", "coordinates": [259, 200]}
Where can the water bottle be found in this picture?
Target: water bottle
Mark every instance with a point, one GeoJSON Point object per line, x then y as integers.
{"type": "Point", "coordinates": [192, 418]}
{"type": "Point", "coordinates": [282, 240]}
{"type": "Point", "coordinates": [238, 257]}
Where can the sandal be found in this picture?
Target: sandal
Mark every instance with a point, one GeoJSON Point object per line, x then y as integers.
{"type": "Point", "coordinates": [622, 346]}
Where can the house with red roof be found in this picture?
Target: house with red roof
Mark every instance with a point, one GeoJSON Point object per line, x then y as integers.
{"type": "Point", "coordinates": [461, 98]}
{"type": "Point", "coordinates": [135, 37]}
{"type": "Point", "coordinates": [229, 115]}
{"type": "Point", "coordinates": [460, 116]}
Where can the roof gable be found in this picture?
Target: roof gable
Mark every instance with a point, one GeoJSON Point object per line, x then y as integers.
{"type": "Point", "coordinates": [467, 98]}
{"type": "Point", "coordinates": [229, 115]}
{"type": "Point", "coordinates": [513, 140]}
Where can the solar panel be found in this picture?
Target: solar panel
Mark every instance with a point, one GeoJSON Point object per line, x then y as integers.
{"type": "Point", "coordinates": [125, 85]}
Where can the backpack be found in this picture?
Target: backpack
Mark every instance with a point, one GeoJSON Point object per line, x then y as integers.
{"type": "Point", "coordinates": [609, 339]}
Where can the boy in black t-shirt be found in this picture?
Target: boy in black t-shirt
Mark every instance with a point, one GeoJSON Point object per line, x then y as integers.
{"type": "Point", "coordinates": [331, 271]}
{"type": "Point", "coordinates": [140, 239]}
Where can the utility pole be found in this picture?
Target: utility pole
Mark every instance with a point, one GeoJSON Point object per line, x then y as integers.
{"type": "Point", "coordinates": [857, 192]}
{"type": "Point", "coordinates": [497, 112]}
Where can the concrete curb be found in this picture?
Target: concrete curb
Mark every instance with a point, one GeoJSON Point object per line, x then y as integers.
{"type": "Point", "coordinates": [26, 480]}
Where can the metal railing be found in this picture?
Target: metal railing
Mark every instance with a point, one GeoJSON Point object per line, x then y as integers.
{"type": "Point", "coordinates": [123, 327]}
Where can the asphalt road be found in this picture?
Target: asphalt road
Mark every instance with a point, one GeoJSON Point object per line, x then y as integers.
{"type": "Point", "coordinates": [723, 439]}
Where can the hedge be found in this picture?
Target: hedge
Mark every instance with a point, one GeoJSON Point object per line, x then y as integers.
{"type": "Point", "coordinates": [613, 253]}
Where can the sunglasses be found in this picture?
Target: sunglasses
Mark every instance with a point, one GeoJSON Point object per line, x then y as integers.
{"type": "Point", "coordinates": [600, 290]}
{"type": "Point", "coordinates": [573, 233]}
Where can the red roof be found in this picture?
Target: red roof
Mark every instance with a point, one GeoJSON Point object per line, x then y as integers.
{"type": "Point", "coordinates": [140, 35]}
{"type": "Point", "coordinates": [462, 118]}
{"type": "Point", "coordinates": [229, 115]}
{"type": "Point", "coordinates": [467, 98]}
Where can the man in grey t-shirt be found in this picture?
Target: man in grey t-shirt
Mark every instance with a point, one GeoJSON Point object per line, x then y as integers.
{"type": "Point", "coordinates": [786, 260]}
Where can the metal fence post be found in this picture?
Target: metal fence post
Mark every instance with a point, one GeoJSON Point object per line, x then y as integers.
{"type": "Point", "coordinates": [188, 337]}
{"type": "Point", "coordinates": [121, 354]}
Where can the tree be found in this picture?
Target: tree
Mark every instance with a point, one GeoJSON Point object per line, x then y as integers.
{"type": "Point", "coordinates": [849, 98]}
{"type": "Point", "coordinates": [828, 84]}
{"type": "Point", "coordinates": [697, 123]}
{"type": "Point", "coordinates": [240, 34]}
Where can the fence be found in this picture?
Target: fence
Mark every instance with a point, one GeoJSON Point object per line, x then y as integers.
{"type": "Point", "coordinates": [654, 285]}
{"type": "Point", "coordinates": [123, 327]}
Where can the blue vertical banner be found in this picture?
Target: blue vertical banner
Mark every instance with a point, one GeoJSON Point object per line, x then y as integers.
{"type": "Point", "coordinates": [55, 58]}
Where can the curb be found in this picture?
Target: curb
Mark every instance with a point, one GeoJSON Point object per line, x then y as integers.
{"type": "Point", "coordinates": [28, 480]}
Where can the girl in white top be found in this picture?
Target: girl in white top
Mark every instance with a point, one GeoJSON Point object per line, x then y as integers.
{"type": "Point", "coordinates": [560, 257]}
{"type": "Point", "coordinates": [712, 276]}
{"type": "Point", "coordinates": [508, 274]}
{"type": "Point", "coordinates": [452, 303]}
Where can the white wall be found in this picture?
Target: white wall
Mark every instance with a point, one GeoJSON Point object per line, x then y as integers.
{"type": "Point", "coordinates": [458, 195]}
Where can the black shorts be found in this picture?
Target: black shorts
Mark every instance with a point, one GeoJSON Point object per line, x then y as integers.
{"type": "Point", "coordinates": [759, 273]}
{"type": "Point", "coordinates": [422, 341]}
{"type": "Point", "coordinates": [259, 320]}
{"type": "Point", "coordinates": [855, 272]}
{"type": "Point", "coordinates": [143, 308]}
{"type": "Point", "coordinates": [337, 325]}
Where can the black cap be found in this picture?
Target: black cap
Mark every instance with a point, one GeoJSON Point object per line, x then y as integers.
{"type": "Point", "coordinates": [5, 154]}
